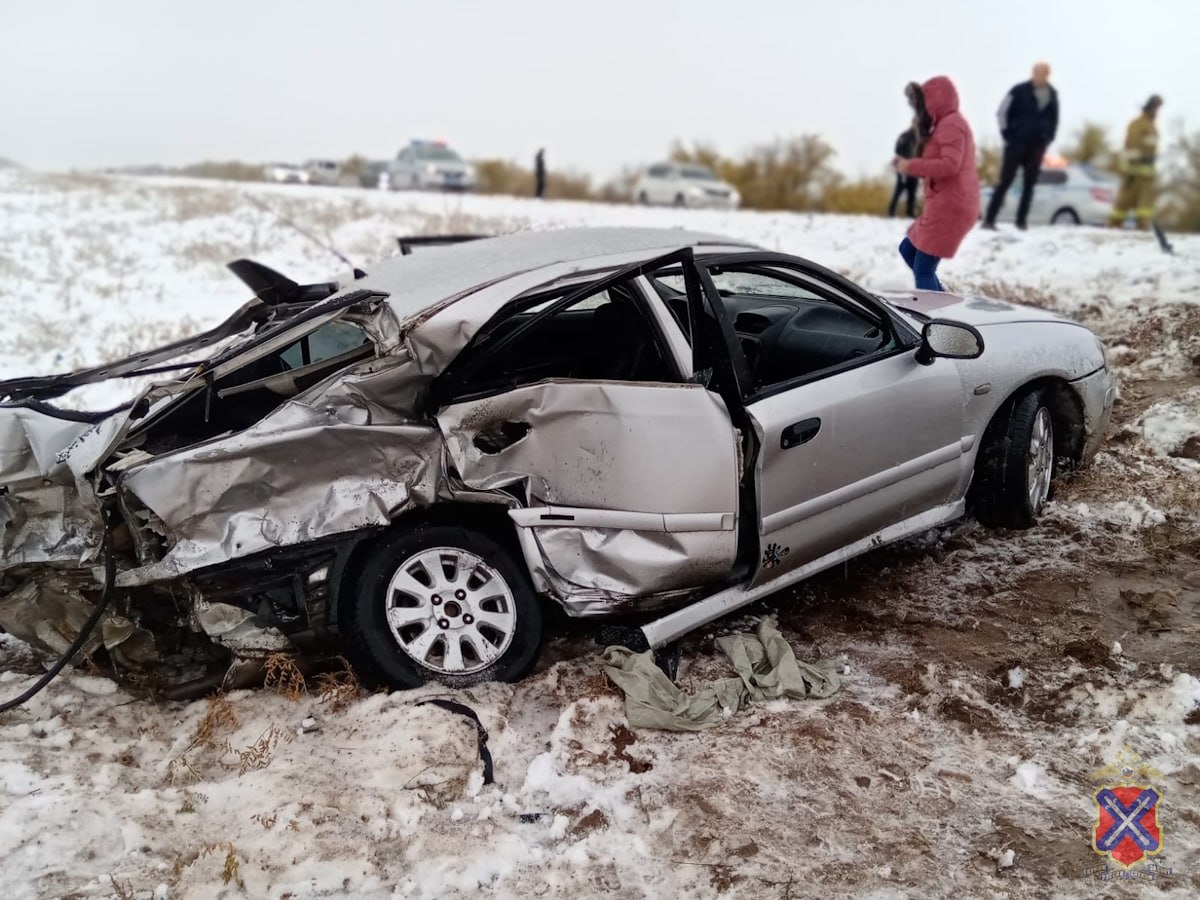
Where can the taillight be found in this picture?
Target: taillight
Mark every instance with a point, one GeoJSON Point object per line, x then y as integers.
{"type": "Point", "coordinates": [1104, 195]}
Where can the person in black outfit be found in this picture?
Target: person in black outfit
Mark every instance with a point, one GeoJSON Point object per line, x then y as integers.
{"type": "Point", "coordinates": [906, 148]}
{"type": "Point", "coordinates": [1028, 122]}
{"type": "Point", "coordinates": [539, 173]}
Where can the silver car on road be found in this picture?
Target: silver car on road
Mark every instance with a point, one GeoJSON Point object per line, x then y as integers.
{"type": "Point", "coordinates": [430, 166]}
{"type": "Point", "coordinates": [405, 467]}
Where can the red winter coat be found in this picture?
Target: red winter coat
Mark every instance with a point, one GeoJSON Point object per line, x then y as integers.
{"type": "Point", "coordinates": [948, 167]}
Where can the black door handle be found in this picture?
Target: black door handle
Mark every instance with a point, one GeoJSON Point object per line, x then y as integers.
{"type": "Point", "coordinates": [799, 433]}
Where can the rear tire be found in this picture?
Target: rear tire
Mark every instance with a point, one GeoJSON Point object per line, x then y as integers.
{"type": "Point", "coordinates": [642, 199]}
{"type": "Point", "coordinates": [1065, 217]}
{"type": "Point", "coordinates": [679, 200]}
{"type": "Point", "coordinates": [1016, 464]}
{"type": "Point", "coordinates": [441, 603]}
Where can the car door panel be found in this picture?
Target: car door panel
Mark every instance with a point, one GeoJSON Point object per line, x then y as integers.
{"type": "Point", "coordinates": [849, 448]}
{"type": "Point", "coordinates": [627, 489]}
{"type": "Point", "coordinates": [889, 446]}
{"type": "Point", "coordinates": [621, 489]}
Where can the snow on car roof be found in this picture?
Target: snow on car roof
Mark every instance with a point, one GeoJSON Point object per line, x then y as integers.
{"type": "Point", "coordinates": [432, 274]}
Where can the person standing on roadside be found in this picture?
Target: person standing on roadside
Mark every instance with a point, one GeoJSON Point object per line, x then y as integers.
{"type": "Point", "coordinates": [947, 163]}
{"type": "Point", "coordinates": [906, 148]}
{"type": "Point", "coordinates": [539, 173]}
{"type": "Point", "coordinates": [1137, 193]}
{"type": "Point", "coordinates": [1028, 122]}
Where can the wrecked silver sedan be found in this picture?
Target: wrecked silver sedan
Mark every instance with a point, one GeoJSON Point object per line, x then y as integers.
{"type": "Point", "coordinates": [405, 466]}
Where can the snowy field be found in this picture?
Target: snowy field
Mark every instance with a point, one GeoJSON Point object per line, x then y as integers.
{"type": "Point", "coordinates": [989, 674]}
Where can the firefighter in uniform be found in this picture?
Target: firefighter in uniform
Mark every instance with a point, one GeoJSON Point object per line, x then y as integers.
{"type": "Point", "coordinates": [1137, 168]}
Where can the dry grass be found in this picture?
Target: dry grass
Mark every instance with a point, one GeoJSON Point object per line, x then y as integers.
{"type": "Point", "coordinates": [283, 676]}
{"type": "Point", "coordinates": [337, 690]}
{"type": "Point", "coordinates": [218, 719]}
{"type": "Point", "coordinates": [123, 890]}
{"type": "Point", "coordinates": [190, 800]}
{"type": "Point", "coordinates": [258, 755]}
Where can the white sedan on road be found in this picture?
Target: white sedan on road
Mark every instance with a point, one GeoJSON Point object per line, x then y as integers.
{"type": "Point", "coordinates": [1064, 195]}
{"type": "Point", "coordinates": [681, 184]}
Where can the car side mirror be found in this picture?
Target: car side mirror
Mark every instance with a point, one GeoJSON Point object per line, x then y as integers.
{"type": "Point", "coordinates": [951, 340]}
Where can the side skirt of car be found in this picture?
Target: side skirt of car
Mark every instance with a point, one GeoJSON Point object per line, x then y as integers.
{"type": "Point", "coordinates": [675, 625]}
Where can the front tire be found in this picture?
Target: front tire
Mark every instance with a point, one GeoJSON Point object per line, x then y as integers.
{"type": "Point", "coordinates": [441, 603]}
{"type": "Point", "coordinates": [1016, 464]}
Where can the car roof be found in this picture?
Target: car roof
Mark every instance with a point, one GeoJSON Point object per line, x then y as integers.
{"type": "Point", "coordinates": [418, 281]}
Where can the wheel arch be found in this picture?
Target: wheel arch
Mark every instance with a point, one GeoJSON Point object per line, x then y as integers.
{"type": "Point", "coordinates": [1066, 409]}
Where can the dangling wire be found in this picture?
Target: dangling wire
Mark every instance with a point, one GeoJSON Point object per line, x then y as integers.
{"type": "Point", "coordinates": [110, 576]}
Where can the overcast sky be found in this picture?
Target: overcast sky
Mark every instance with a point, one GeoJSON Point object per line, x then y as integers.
{"type": "Point", "coordinates": [599, 84]}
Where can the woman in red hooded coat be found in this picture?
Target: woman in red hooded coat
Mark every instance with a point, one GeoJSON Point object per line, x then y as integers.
{"type": "Point", "coordinates": [947, 164]}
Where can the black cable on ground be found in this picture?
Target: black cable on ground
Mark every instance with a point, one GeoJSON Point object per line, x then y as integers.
{"type": "Point", "coordinates": [481, 733]}
{"type": "Point", "coordinates": [110, 575]}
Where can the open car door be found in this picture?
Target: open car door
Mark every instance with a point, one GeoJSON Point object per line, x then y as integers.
{"type": "Point", "coordinates": [626, 473]}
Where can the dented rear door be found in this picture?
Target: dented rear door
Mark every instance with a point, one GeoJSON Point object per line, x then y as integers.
{"type": "Point", "coordinates": [623, 489]}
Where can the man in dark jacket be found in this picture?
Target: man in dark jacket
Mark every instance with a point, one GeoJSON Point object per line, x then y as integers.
{"type": "Point", "coordinates": [1028, 122]}
{"type": "Point", "coordinates": [906, 148]}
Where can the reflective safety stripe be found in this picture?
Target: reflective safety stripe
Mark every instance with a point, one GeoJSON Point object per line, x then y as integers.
{"type": "Point", "coordinates": [1140, 169]}
{"type": "Point", "coordinates": [1143, 211]}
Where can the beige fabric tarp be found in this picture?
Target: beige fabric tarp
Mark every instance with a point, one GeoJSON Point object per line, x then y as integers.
{"type": "Point", "coordinates": [766, 667]}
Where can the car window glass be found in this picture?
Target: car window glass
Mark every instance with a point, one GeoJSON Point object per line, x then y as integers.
{"type": "Point", "coordinates": [791, 327]}
{"type": "Point", "coordinates": [660, 171]}
{"type": "Point", "coordinates": [1052, 176]}
{"type": "Point", "coordinates": [326, 342]}
{"type": "Point", "coordinates": [436, 152]}
{"type": "Point", "coordinates": [698, 173]}
{"type": "Point", "coordinates": [606, 335]}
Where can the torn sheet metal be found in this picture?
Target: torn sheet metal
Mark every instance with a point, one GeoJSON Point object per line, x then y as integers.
{"type": "Point", "coordinates": [238, 629]}
{"type": "Point", "coordinates": [339, 460]}
{"type": "Point", "coordinates": [46, 524]}
{"type": "Point", "coordinates": [49, 614]}
{"type": "Point", "coordinates": [766, 667]}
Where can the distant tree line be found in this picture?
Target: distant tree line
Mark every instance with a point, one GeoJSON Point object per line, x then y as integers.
{"type": "Point", "coordinates": [797, 174]}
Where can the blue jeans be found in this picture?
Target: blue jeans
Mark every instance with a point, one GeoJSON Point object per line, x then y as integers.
{"type": "Point", "coordinates": [923, 265]}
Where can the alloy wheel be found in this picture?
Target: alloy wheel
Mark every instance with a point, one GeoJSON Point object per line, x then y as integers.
{"type": "Point", "coordinates": [1041, 459]}
{"type": "Point", "coordinates": [449, 611]}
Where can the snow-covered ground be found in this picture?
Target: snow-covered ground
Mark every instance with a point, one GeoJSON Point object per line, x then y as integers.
{"type": "Point", "coordinates": [990, 674]}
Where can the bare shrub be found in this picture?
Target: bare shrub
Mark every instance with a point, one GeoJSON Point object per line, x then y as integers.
{"type": "Point", "coordinates": [226, 170]}
{"type": "Point", "coordinates": [862, 195]}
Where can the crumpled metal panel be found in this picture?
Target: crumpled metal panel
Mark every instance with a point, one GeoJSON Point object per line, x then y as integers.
{"type": "Point", "coordinates": [340, 460]}
{"type": "Point", "coordinates": [43, 519]}
{"type": "Point", "coordinates": [602, 444]}
{"type": "Point", "coordinates": [238, 629]}
{"type": "Point", "coordinates": [46, 524]}
{"type": "Point", "coordinates": [632, 448]}
{"type": "Point", "coordinates": [593, 571]}
{"type": "Point", "coordinates": [48, 613]}
{"type": "Point", "coordinates": [30, 442]}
